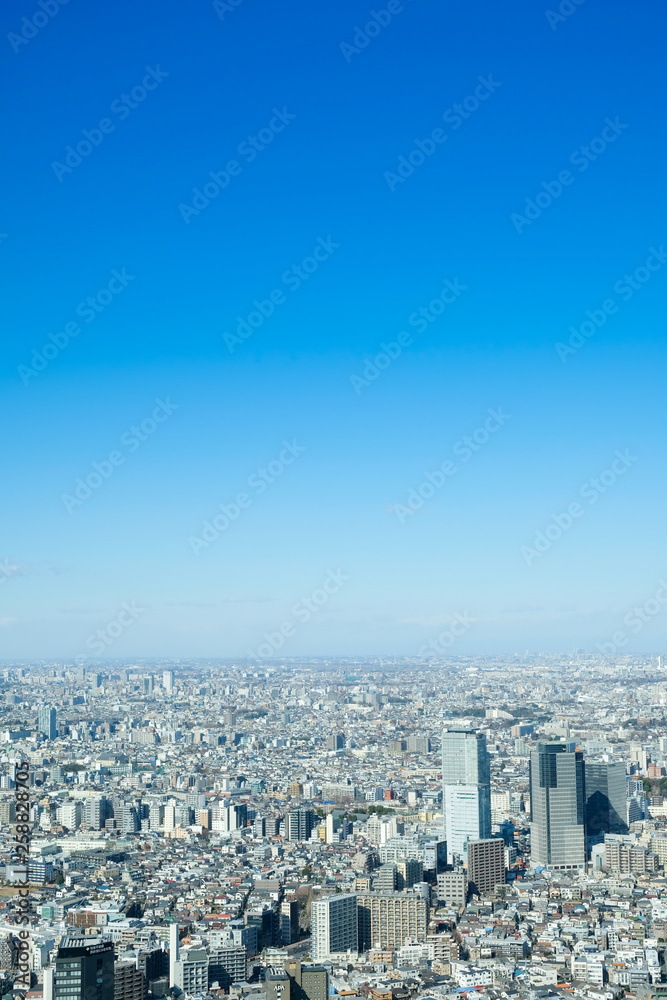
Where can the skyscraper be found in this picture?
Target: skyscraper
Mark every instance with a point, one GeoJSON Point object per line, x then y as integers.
{"type": "Point", "coordinates": [557, 799]}
{"type": "Point", "coordinates": [466, 790]}
{"type": "Point", "coordinates": [168, 680]}
{"type": "Point", "coordinates": [333, 927]}
{"type": "Point", "coordinates": [606, 800]}
{"type": "Point", "coordinates": [84, 969]}
{"type": "Point", "coordinates": [47, 722]}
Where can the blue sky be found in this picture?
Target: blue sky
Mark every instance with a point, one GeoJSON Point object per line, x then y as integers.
{"type": "Point", "coordinates": [578, 92]}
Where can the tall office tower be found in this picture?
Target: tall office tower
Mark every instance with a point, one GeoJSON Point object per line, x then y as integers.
{"type": "Point", "coordinates": [129, 982]}
{"type": "Point", "coordinates": [557, 801]}
{"type": "Point", "coordinates": [466, 785]}
{"type": "Point", "coordinates": [84, 969]}
{"type": "Point", "coordinates": [168, 680]}
{"type": "Point", "coordinates": [606, 800]}
{"type": "Point", "coordinates": [47, 722]}
{"type": "Point", "coordinates": [333, 926]}
{"type": "Point", "coordinates": [147, 684]}
{"type": "Point", "coordinates": [388, 919]}
{"type": "Point", "coordinates": [299, 824]}
{"type": "Point", "coordinates": [486, 864]}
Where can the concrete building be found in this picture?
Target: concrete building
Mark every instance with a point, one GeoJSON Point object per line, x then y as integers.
{"type": "Point", "coordinates": [486, 864]}
{"type": "Point", "coordinates": [227, 965]}
{"type": "Point", "coordinates": [129, 982]}
{"type": "Point", "coordinates": [333, 926]}
{"type": "Point", "coordinates": [453, 887]}
{"type": "Point", "coordinates": [388, 919]}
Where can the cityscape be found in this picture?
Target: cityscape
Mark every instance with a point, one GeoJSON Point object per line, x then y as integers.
{"type": "Point", "coordinates": [333, 599]}
{"type": "Point", "coordinates": [387, 830]}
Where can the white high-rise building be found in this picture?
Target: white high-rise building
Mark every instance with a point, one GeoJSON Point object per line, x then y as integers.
{"type": "Point", "coordinates": [173, 953]}
{"type": "Point", "coordinates": [333, 927]}
{"type": "Point", "coordinates": [168, 680]}
{"type": "Point", "coordinates": [466, 790]}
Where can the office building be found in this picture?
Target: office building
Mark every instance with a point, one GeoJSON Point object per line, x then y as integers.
{"type": "Point", "coordinates": [486, 864]}
{"type": "Point", "coordinates": [388, 919]}
{"type": "Point", "coordinates": [466, 790]}
{"type": "Point", "coordinates": [606, 800]}
{"type": "Point", "coordinates": [333, 928]}
{"type": "Point", "coordinates": [168, 681]}
{"type": "Point", "coordinates": [557, 797]}
{"type": "Point", "coordinates": [84, 969]}
{"type": "Point", "coordinates": [47, 722]}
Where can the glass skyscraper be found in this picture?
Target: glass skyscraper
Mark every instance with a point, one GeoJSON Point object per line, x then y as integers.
{"type": "Point", "coordinates": [466, 787]}
{"type": "Point", "coordinates": [606, 799]}
{"type": "Point", "coordinates": [557, 799]}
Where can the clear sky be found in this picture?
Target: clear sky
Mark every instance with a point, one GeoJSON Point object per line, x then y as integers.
{"type": "Point", "coordinates": [229, 208]}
